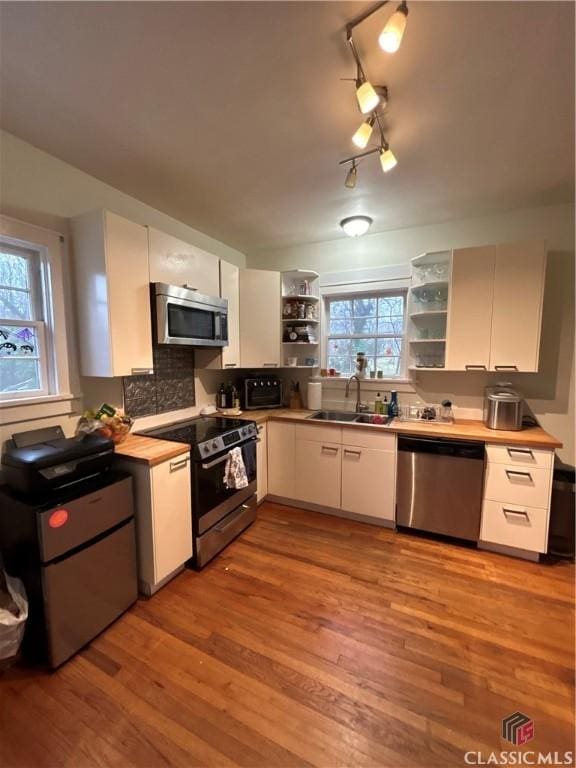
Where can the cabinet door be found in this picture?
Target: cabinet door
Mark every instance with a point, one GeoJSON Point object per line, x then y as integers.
{"type": "Point", "coordinates": [230, 289]}
{"type": "Point", "coordinates": [262, 462]}
{"type": "Point", "coordinates": [318, 473]}
{"type": "Point", "coordinates": [470, 311]}
{"type": "Point", "coordinates": [172, 515]}
{"type": "Point", "coordinates": [281, 456]}
{"type": "Point", "coordinates": [517, 313]}
{"type": "Point", "coordinates": [260, 318]}
{"type": "Point", "coordinates": [369, 482]}
{"type": "Point", "coordinates": [128, 296]}
{"type": "Point", "coordinates": [175, 262]}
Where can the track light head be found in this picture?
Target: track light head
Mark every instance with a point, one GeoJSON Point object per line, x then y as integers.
{"type": "Point", "coordinates": [367, 97]}
{"type": "Point", "coordinates": [391, 36]}
{"type": "Point", "coordinates": [362, 135]}
{"type": "Point", "coordinates": [387, 158]}
{"type": "Point", "coordinates": [351, 176]}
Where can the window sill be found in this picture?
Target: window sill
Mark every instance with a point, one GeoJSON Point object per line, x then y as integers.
{"type": "Point", "coordinates": [36, 408]}
{"type": "Point", "coordinates": [364, 383]}
{"type": "Point", "coordinates": [16, 402]}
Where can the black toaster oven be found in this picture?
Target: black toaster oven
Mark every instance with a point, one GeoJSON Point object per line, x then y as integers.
{"type": "Point", "coordinates": [262, 392]}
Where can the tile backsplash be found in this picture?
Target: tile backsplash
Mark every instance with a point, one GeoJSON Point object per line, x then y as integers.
{"type": "Point", "coordinates": [169, 388]}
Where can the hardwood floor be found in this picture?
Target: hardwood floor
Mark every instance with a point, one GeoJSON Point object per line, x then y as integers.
{"type": "Point", "coordinates": [312, 641]}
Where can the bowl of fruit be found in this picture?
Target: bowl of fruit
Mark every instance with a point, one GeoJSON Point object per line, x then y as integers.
{"type": "Point", "coordinates": [107, 421]}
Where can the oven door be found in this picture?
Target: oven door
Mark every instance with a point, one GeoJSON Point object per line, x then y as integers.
{"type": "Point", "coordinates": [193, 323]}
{"type": "Point", "coordinates": [211, 499]}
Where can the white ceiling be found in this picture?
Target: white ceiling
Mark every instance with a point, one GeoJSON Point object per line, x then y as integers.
{"type": "Point", "coordinates": [231, 116]}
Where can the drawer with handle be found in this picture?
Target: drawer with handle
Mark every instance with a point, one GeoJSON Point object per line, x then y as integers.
{"type": "Point", "coordinates": [518, 485]}
{"type": "Point", "coordinates": [513, 525]}
{"type": "Point", "coordinates": [520, 455]}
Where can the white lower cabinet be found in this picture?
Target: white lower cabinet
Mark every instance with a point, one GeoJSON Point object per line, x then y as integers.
{"type": "Point", "coordinates": [262, 463]}
{"type": "Point", "coordinates": [347, 469]}
{"type": "Point", "coordinates": [318, 472]}
{"type": "Point", "coordinates": [517, 490]}
{"type": "Point", "coordinates": [281, 439]}
{"type": "Point", "coordinates": [163, 518]}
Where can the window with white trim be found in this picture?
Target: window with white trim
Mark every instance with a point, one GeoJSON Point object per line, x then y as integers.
{"type": "Point", "coordinates": [373, 323]}
{"type": "Point", "coordinates": [24, 368]}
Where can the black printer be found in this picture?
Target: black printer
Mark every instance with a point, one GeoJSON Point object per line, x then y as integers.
{"type": "Point", "coordinates": [44, 460]}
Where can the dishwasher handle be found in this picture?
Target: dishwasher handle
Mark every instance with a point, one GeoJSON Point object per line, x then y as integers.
{"type": "Point", "coordinates": [462, 449]}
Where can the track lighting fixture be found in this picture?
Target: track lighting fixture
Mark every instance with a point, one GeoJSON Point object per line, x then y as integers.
{"type": "Point", "coordinates": [362, 135]}
{"type": "Point", "coordinates": [355, 226]}
{"type": "Point", "coordinates": [350, 182]}
{"type": "Point", "coordinates": [391, 36]}
{"type": "Point", "coordinates": [387, 158]}
{"type": "Point", "coordinates": [373, 98]}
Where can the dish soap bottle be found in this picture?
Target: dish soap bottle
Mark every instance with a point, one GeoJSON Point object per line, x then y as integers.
{"type": "Point", "coordinates": [393, 407]}
{"type": "Point", "coordinates": [378, 404]}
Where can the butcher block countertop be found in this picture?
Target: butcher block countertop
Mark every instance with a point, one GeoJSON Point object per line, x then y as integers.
{"type": "Point", "coordinates": [461, 429]}
{"type": "Point", "coordinates": [150, 450]}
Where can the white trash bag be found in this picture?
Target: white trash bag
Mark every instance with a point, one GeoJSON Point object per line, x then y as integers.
{"type": "Point", "coordinates": [13, 615]}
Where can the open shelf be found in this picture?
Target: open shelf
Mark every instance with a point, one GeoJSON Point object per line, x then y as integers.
{"type": "Point", "coordinates": [298, 321]}
{"type": "Point", "coordinates": [429, 313]}
{"type": "Point", "coordinates": [304, 297]}
{"type": "Point", "coordinates": [432, 257]}
{"type": "Point", "coordinates": [429, 285]}
{"type": "Point", "coordinates": [301, 343]}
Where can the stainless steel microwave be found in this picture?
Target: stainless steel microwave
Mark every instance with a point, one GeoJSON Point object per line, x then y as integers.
{"type": "Point", "coordinates": [181, 315]}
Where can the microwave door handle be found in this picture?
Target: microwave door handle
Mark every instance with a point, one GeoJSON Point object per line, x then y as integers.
{"type": "Point", "coordinates": [217, 326]}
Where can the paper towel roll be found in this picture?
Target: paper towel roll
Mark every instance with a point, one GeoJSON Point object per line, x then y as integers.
{"type": "Point", "coordinates": [314, 398]}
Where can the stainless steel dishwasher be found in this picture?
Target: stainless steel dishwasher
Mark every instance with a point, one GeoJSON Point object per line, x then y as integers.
{"type": "Point", "coordinates": [439, 486]}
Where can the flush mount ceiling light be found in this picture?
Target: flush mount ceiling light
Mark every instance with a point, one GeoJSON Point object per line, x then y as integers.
{"type": "Point", "coordinates": [373, 99]}
{"type": "Point", "coordinates": [355, 226]}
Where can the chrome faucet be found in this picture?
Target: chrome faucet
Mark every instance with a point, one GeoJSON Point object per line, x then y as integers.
{"type": "Point", "coordinates": [360, 407]}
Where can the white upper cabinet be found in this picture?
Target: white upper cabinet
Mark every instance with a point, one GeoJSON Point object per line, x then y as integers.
{"type": "Point", "coordinates": [175, 262]}
{"type": "Point", "coordinates": [470, 309]}
{"type": "Point", "coordinates": [260, 318]}
{"type": "Point", "coordinates": [112, 295]}
{"type": "Point", "coordinates": [517, 307]}
{"type": "Point", "coordinates": [230, 290]}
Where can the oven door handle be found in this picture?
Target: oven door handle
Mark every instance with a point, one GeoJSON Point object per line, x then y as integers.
{"type": "Point", "coordinates": [214, 463]}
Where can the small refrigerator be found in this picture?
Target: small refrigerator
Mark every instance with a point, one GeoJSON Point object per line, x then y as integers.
{"type": "Point", "coordinates": [75, 551]}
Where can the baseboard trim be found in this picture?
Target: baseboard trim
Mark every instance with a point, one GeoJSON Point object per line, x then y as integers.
{"type": "Point", "coordinates": [381, 523]}
{"type": "Point", "coordinates": [523, 554]}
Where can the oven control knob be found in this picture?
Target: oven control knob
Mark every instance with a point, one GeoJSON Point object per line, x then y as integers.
{"type": "Point", "coordinates": [214, 445]}
{"type": "Point", "coordinates": [244, 431]}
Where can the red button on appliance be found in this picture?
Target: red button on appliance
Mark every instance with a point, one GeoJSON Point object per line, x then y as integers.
{"type": "Point", "coordinates": [58, 518]}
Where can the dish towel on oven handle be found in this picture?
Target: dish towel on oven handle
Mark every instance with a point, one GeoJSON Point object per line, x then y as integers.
{"type": "Point", "coordinates": [235, 470]}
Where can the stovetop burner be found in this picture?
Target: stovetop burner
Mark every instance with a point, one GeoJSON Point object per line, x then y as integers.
{"type": "Point", "coordinates": [207, 435]}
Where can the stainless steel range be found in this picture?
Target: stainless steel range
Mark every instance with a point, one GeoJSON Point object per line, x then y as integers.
{"type": "Point", "coordinates": [219, 513]}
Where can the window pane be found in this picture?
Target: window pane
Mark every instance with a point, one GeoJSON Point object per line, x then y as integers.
{"type": "Point", "coordinates": [15, 305]}
{"type": "Point", "coordinates": [364, 325]}
{"type": "Point", "coordinates": [340, 309]}
{"type": "Point", "coordinates": [343, 364]}
{"type": "Point", "coordinates": [391, 306]}
{"type": "Point", "coordinates": [18, 341]}
{"type": "Point", "coordinates": [389, 365]}
{"type": "Point", "coordinates": [14, 271]}
{"type": "Point", "coordinates": [365, 307]}
{"type": "Point", "coordinates": [390, 326]}
{"type": "Point", "coordinates": [18, 374]}
{"type": "Point", "coordinates": [340, 327]}
{"type": "Point", "coordinates": [339, 347]}
{"type": "Point", "coordinates": [363, 345]}
{"type": "Point", "coordinates": [389, 347]}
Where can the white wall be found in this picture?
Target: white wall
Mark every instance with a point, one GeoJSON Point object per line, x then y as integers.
{"type": "Point", "coordinates": [37, 188]}
{"type": "Point", "coordinates": [550, 392]}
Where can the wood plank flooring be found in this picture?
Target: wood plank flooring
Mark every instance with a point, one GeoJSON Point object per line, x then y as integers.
{"type": "Point", "coordinates": [312, 641]}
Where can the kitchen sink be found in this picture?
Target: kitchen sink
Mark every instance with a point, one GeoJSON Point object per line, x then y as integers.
{"type": "Point", "coordinates": [333, 416]}
{"type": "Point", "coordinates": [356, 418]}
